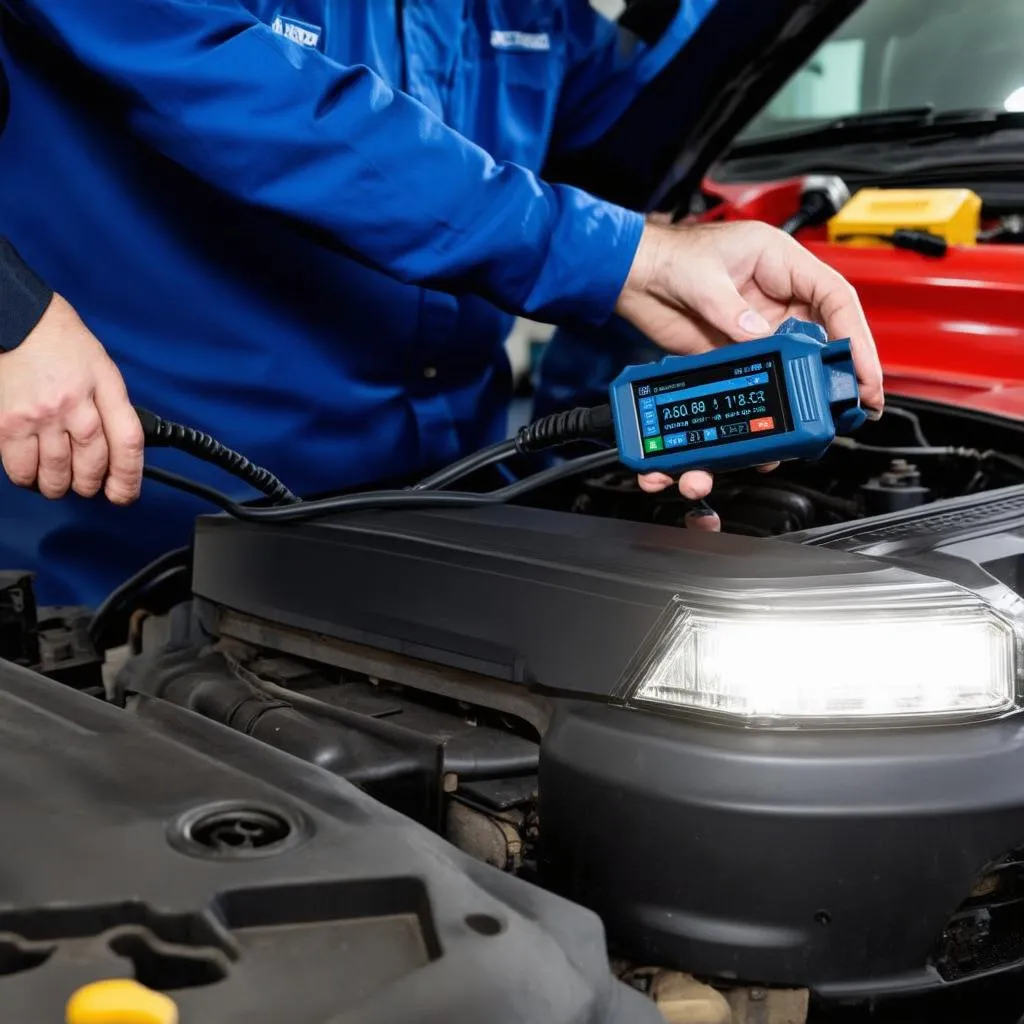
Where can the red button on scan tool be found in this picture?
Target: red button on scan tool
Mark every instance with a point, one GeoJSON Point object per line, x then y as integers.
{"type": "Point", "coordinates": [764, 423]}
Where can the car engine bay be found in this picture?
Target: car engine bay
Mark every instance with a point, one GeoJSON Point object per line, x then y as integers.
{"type": "Point", "coordinates": [466, 668]}
{"type": "Point", "coordinates": [917, 454]}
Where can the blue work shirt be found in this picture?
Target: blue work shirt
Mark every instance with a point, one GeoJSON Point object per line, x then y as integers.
{"type": "Point", "coordinates": [304, 226]}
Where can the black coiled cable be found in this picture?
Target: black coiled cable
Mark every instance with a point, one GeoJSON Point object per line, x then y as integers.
{"type": "Point", "coordinates": [580, 424]}
{"type": "Point", "coordinates": [161, 433]}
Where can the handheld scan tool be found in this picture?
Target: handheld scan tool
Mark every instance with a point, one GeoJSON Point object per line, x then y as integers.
{"type": "Point", "coordinates": [777, 398]}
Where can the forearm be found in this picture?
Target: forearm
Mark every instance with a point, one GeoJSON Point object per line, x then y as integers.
{"type": "Point", "coordinates": [24, 297]}
{"type": "Point", "coordinates": [340, 154]}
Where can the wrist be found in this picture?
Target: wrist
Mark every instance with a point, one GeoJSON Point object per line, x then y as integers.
{"type": "Point", "coordinates": [643, 273]}
{"type": "Point", "coordinates": [24, 297]}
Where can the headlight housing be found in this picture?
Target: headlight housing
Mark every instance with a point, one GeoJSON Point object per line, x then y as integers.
{"type": "Point", "coordinates": [899, 654]}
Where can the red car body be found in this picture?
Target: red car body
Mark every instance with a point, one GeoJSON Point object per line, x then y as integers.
{"type": "Point", "coordinates": [949, 329]}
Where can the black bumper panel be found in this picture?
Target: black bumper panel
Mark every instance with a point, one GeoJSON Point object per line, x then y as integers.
{"type": "Point", "coordinates": [832, 861]}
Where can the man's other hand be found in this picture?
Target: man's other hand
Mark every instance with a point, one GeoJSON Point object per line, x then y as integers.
{"type": "Point", "coordinates": [66, 422]}
{"type": "Point", "coordinates": [694, 288]}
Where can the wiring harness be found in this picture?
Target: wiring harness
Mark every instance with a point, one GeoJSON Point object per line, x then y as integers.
{"type": "Point", "coordinates": [161, 433]}
{"type": "Point", "coordinates": [582, 424]}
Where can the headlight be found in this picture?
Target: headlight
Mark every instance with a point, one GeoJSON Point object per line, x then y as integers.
{"type": "Point", "coordinates": [858, 655]}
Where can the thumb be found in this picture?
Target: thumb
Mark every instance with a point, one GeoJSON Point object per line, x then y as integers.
{"type": "Point", "coordinates": [714, 298]}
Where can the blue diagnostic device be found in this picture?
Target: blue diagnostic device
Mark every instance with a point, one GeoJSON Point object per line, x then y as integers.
{"type": "Point", "coordinates": [777, 398]}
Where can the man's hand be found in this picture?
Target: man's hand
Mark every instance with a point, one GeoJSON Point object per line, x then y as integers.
{"type": "Point", "coordinates": [65, 418]}
{"type": "Point", "coordinates": [694, 288]}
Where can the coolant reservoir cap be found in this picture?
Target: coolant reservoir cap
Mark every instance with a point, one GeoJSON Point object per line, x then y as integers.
{"type": "Point", "coordinates": [120, 1001]}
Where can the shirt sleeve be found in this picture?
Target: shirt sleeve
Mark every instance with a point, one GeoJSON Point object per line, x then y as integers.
{"type": "Point", "coordinates": [333, 148]}
{"type": "Point", "coordinates": [24, 297]}
{"type": "Point", "coordinates": [609, 67]}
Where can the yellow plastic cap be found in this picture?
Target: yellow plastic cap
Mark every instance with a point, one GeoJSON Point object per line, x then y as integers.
{"type": "Point", "coordinates": [120, 1001]}
{"type": "Point", "coordinates": [951, 213]}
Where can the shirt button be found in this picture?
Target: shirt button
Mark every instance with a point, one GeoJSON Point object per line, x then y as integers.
{"type": "Point", "coordinates": [430, 372]}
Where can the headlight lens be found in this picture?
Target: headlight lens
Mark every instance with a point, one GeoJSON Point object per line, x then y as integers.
{"type": "Point", "coordinates": [928, 652]}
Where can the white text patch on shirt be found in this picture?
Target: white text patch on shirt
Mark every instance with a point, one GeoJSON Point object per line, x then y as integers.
{"type": "Point", "coordinates": [505, 40]}
{"type": "Point", "coordinates": [300, 32]}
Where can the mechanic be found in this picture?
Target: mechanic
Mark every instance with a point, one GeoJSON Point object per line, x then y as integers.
{"type": "Point", "coordinates": [305, 229]}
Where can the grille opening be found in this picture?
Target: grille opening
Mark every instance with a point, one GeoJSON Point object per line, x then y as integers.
{"type": "Point", "coordinates": [987, 930]}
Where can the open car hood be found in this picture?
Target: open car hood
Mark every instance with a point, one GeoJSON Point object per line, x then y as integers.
{"type": "Point", "coordinates": [741, 54]}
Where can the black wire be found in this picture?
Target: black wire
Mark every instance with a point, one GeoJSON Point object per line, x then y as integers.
{"type": "Point", "coordinates": [915, 422]}
{"type": "Point", "coordinates": [307, 510]}
{"type": "Point", "coordinates": [547, 432]}
{"type": "Point", "coordinates": [161, 433]}
{"type": "Point", "coordinates": [560, 428]}
{"type": "Point", "coordinates": [197, 490]}
{"type": "Point", "coordinates": [795, 223]}
{"type": "Point", "coordinates": [1010, 460]}
{"type": "Point", "coordinates": [458, 470]}
{"type": "Point", "coordinates": [924, 242]}
{"type": "Point", "coordinates": [129, 590]}
{"type": "Point", "coordinates": [907, 451]}
{"type": "Point", "coordinates": [562, 471]}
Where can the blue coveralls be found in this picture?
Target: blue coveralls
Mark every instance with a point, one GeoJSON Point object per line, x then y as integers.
{"type": "Point", "coordinates": [266, 210]}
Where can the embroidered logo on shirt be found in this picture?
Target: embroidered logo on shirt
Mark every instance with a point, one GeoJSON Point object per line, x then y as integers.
{"type": "Point", "coordinates": [505, 40]}
{"type": "Point", "coordinates": [297, 31]}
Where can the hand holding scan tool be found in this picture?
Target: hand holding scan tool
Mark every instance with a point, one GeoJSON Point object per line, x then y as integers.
{"type": "Point", "coordinates": [771, 400]}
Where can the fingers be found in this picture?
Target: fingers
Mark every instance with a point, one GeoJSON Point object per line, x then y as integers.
{"type": "Point", "coordinates": [837, 305]}
{"type": "Point", "coordinates": [21, 460]}
{"type": "Point", "coordinates": [58, 454]}
{"type": "Point", "coordinates": [124, 439]}
{"type": "Point", "coordinates": [844, 318]}
{"type": "Point", "coordinates": [694, 485]}
{"type": "Point", "coordinates": [712, 295]}
{"type": "Point", "coordinates": [704, 518]}
{"type": "Point", "coordinates": [54, 462]}
{"type": "Point", "coordinates": [653, 483]}
{"type": "Point", "coordinates": [88, 450]}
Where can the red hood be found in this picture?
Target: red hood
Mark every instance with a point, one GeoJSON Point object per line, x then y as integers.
{"type": "Point", "coordinates": [981, 396]}
{"type": "Point", "coordinates": [948, 329]}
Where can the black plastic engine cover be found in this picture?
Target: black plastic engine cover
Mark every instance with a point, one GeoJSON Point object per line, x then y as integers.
{"type": "Point", "coordinates": [254, 887]}
{"type": "Point", "coordinates": [544, 598]}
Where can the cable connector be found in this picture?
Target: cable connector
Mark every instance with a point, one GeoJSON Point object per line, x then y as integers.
{"type": "Point", "coordinates": [161, 433]}
{"type": "Point", "coordinates": [580, 424]}
{"type": "Point", "coordinates": [924, 242]}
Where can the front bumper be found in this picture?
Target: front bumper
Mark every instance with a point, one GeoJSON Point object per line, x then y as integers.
{"type": "Point", "coordinates": [830, 860]}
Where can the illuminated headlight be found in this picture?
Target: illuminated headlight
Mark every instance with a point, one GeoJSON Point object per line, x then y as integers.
{"type": "Point", "coordinates": [835, 657]}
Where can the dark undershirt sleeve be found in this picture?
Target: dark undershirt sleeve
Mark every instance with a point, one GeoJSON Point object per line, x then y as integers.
{"type": "Point", "coordinates": [24, 297]}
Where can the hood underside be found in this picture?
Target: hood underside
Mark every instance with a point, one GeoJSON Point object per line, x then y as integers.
{"type": "Point", "coordinates": [739, 56]}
